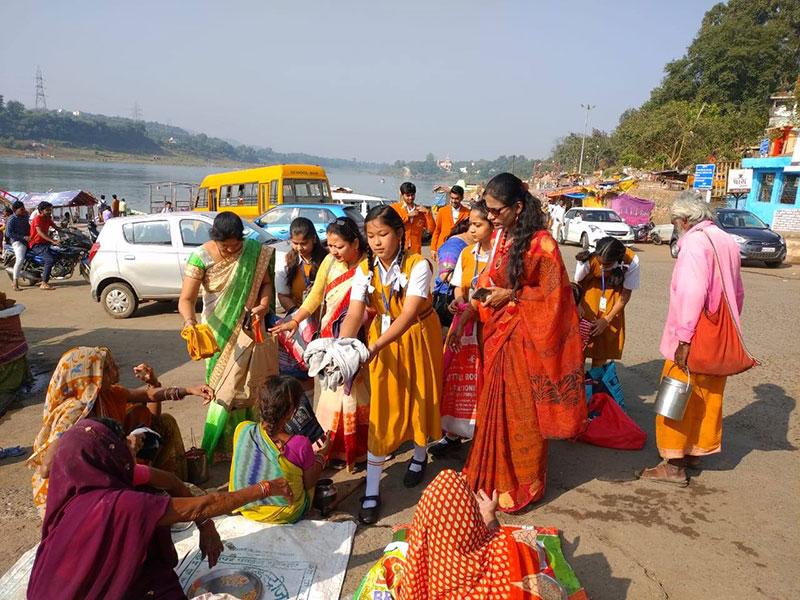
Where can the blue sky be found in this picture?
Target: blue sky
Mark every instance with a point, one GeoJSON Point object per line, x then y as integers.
{"type": "Point", "coordinates": [367, 79]}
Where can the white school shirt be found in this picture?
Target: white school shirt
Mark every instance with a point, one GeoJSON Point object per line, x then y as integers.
{"type": "Point", "coordinates": [480, 257]}
{"type": "Point", "coordinates": [282, 283]}
{"type": "Point", "coordinates": [630, 281]}
{"type": "Point", "coordinates": [418, 284]}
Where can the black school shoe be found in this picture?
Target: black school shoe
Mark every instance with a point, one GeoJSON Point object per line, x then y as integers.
{"type": "Point", "coordinates": [370, 516]}
{"type": "Point", "coordinates": [444, 447]}
{"type": "Point", "coordinates": [413, 478]}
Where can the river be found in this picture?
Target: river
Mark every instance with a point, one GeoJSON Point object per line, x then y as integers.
{"type": "Point", "coordinates": [128, 180]}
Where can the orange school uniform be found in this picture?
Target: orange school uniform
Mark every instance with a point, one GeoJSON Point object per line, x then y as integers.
{"type": "Point", "coordinates": [445, 224]}
{"type": "Point", "coordinates": [414, 226]}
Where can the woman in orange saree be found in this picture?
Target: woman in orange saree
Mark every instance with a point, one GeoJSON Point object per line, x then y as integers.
{"type": "Point", "coordinates": [533, 356]}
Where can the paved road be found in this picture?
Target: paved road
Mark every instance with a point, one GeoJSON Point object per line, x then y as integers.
{"type": "Point", "coordinates": [733, 533]}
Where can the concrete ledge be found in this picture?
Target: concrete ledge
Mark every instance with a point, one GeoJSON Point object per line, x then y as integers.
{"type": "Point", "coordinates": [792, 246]}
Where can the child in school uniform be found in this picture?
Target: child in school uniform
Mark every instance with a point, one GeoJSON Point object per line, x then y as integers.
{"type": "Point", "coordinates": [405, 345]}
{"type": "Point", "coordinates": [462, 363]}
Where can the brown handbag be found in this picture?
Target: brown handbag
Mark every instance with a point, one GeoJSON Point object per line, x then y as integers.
{"type": "Point", "coordinates": [717, 347]}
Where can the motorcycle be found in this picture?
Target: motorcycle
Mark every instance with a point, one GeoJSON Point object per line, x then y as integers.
{"type": "Point", "coordinates": [646, 233]}
{"type": "Point", "coordinates": [72, 250]}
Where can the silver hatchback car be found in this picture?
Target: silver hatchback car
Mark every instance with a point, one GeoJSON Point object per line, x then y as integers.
{"type": "Point", "coordinates": [143, 257]}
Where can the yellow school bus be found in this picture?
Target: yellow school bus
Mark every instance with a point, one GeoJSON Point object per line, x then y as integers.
{"type": "Point", "coordinates": [251, 192]}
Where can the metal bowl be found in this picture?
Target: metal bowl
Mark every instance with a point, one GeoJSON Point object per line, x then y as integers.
{"type": "Point", "coordinates": [236, 582]}
{"type": "Point", "coordinates": [178, 527]}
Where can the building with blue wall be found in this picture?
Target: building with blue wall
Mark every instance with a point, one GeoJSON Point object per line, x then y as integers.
{"type": "Point", "coordinates": [775, 186]}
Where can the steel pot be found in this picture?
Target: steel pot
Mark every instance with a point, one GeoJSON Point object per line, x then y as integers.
{"type": "Point", "coordinates": [673, 396]}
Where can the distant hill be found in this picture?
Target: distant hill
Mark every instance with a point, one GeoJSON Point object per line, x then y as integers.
{"type": "Point", "coordinates": [119, 134]}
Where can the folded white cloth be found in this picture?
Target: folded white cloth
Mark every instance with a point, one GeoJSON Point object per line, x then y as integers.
{"type": "Point", "coordinates": [335, 361]}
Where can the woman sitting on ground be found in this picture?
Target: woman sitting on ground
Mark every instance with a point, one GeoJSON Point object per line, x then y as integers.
{"type": "Point", "coordinates": [266, 451]}
{"type": "Point", "coordinates": [84, 384]}
{"type": "Point", "coordinates": [102, 538]}
{"type": "Point", "coordinates": [456, 548]}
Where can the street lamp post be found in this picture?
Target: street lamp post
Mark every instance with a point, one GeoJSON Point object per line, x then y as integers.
{"type": "Point", "coordinates": [588, 107]}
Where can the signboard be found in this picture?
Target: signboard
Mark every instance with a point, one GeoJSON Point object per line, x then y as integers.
{"type": "Point", "coordinates": [704, 176]}
{"type": "Point", "coordinates": [763, 148]}
{"type": "Point", "coordinates": [740, 180]}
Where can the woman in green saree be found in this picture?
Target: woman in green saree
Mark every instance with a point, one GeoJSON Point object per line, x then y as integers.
{"type": "Point", "coordinates": [236, 276]}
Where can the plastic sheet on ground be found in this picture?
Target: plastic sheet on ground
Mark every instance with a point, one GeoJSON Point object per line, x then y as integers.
{"type": "Point", "coordinates": [304, 561]}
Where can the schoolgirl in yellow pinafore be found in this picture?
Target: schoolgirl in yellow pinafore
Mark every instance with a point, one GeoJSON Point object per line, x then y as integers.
{"type": "Point", "coordinates": [472, 264]}
{"type": "Point", "coordinates": [609, 344]}
{"type": "Point", "coordinates": [405, 376]}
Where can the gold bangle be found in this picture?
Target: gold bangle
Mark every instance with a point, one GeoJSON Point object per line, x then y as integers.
{"type": "Point", "coordinates": [265, 488]}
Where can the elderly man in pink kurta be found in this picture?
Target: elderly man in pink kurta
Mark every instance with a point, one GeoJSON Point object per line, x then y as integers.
{"type": "Point", "coordinates": [697, 284]}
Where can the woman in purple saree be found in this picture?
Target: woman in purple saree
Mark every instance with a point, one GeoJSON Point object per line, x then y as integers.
{"type": "Point", "coordinates": [103, 538]}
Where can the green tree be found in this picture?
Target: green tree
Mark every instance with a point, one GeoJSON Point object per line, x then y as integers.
{"type": "Point", "coordinates": [743, 52]}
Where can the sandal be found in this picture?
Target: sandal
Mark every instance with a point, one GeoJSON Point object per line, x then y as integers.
{"type": "Point", "coordinates": [661, 474]}
{"type": "Point", "coordinates": [11, 452]}
{"type": "Point", "coordinates": [46, 286]}
{"type": "Point", "coordinates": [692, 462]}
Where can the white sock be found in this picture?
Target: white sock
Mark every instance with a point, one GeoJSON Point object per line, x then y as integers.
{"type": "Point", "coordinates": [420, 454]}
{"type": "Point", "coordinates": [374, 471]}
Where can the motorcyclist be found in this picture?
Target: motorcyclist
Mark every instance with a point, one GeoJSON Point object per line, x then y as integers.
{"type": "Point", "coordinates": [18, 230]}
{"type": "Point", "coordinates": [40, 241]}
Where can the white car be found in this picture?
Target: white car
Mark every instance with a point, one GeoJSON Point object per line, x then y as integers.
{"type": "Point", "coordinates": [143, 257]}
{"type": "Point", "coordinates": [584, 226]}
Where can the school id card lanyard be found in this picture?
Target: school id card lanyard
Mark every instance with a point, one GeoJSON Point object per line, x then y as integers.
{"type": "Point", "coordinates": [386, 317]}
{"type": "Point", "coordinates": [603, 300]}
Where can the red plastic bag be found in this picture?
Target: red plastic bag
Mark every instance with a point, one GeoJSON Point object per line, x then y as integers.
{"type": "Point", "coordinates": [462, 381]}
{"type": "Point", "coordinates": [610, 427]}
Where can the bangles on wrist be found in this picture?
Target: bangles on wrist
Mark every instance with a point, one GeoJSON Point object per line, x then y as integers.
{"type": "Point", "coordinates": [204, 523]}
{"type": "Point", "coordinates": [173, 394]}
{"type": "Point", "coordinates": [265, 488]}
{"type": "Point", "coordinates": [320, 460]}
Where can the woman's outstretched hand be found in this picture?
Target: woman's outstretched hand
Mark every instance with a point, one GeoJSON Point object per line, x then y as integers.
{"type": "Point", "coordinates": [145, 373]}
{"type": "Point", "coordinates": [289, 326]}
{"type": "Point", "coordinates": [206, 392]}
{"type": "Point", "coordinates": [210, 544]}
{"type": "Point", "coordinates": [281, 487]}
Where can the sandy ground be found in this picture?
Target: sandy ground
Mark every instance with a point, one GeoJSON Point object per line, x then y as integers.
{"type": "Point", "coordinates": [733, 533]}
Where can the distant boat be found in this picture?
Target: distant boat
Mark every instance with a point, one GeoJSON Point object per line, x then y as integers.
{"type": "Point", "coordinates": [345, 195]}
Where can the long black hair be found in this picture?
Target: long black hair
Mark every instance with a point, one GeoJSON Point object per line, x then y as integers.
{"type": "Point", "coordinates": [461, 227]}
{"type": "Point", "coordinates": [508, 189]}
{"type": "Point", "coordinates": [389, 217]}
{"type": "Point", "coordinates": [608, 250]}
{"type": "Point", "coordinates": [279, 397]}
{"type": "Point", "coordinates": [305, 228]}
{"type": "Point", "coordinates": [346, 228]}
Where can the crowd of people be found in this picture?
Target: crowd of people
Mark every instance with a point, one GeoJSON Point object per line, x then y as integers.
{"type": "Point", "coordinates": [393, 328]}
{"type": "Point", "coordinates": [33, 232]}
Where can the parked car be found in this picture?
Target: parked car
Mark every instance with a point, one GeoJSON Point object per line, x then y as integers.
{"type": "Point", "coordinates": [756, 240]}
{"type": "Point", "coordinates": [277, 219]}
{"type": "Point", "coordinates": [142, 257]}
{"type": "Point", "coordinates": [584, 226]}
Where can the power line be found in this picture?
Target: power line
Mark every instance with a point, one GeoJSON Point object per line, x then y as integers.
{"type": "Point", "coordinates": [136, 112]}
{"type": "Point", "coordinates": [41, 99]}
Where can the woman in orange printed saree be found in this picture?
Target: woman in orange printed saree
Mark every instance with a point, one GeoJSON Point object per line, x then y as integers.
{"type": "Point", "coordinates": [456, 548]}
{"type": "Point", "coordinates": [533, 356]}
